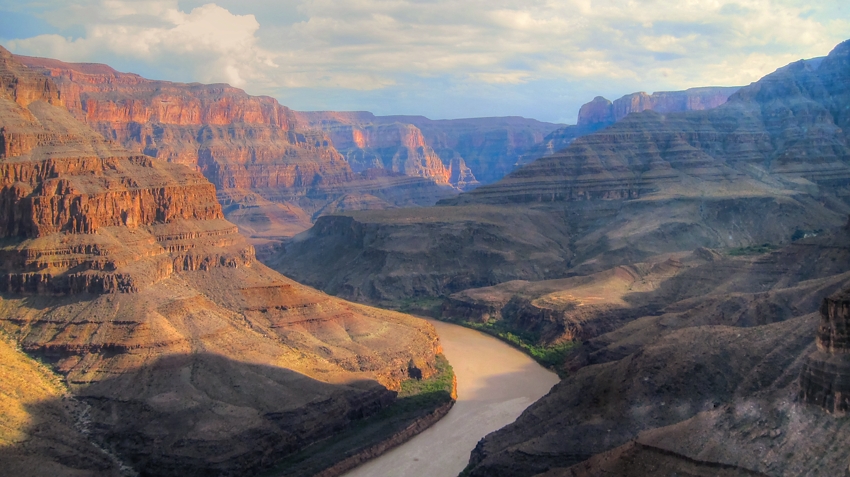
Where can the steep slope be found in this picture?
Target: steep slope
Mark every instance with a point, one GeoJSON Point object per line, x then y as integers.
{"type": "Point", "coordinates": [393, 255]}
{"type": "Point", "coordinates": [772, 162]}
{"type": "Point", "coordinates": [394, 146]}
{"type": "Point", "coordinates": [604, 406]}
{"type": "Point", "coordinates": [251, 148]}
{"type": "Point", "coordinates": [40, 432]}
{"type": "Point", "coordinates": [736, 365]}
{"type": "Point", "coordinates": [706, 384]}
{"type": "Point", "coordinates": [784, 132]}
{"type": "Point", "coordinates": [481, 149]}
{"type": "Point", "coordinates": [120, 272]}
{"type": "Point", "coordinates": [601, 113]}
{"type": "Point", "coordinates": [716, 370]}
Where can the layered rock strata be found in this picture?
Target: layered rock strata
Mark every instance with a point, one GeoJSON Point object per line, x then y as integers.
{"type": "Point", "coordinates": [786, 130]}
{"type": "Point", "coordinates": [825, 379]}
{"type": "Point", "coordinates": [396, 147]}
{"type": "Point", "coordinates": [471, 150]}
{"type": "Point", "coordinates": [600, 110]}
{"type": "Point", "coordinates": [185, 355]}
{"type": "Point", "coordinates": [601, 113]}
{"type": "Point", "coordinates": [251, 148]}
{"type": "Point", "coordinates": [709, 386]}
{"type": "Point", "coordinates": [650, 184]}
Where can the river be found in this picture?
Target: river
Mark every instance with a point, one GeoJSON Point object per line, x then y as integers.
{"type": "Point", "coordinates": [495, 383]}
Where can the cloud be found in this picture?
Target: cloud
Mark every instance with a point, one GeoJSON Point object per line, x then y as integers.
{"type": "Point", "coordinates": [307, 51]}
{"type": "Point", "coordinates": [214, 44]}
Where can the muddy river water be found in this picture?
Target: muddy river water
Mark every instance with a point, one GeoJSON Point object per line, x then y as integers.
{"type": "Point", "coordinates": [495, 383]}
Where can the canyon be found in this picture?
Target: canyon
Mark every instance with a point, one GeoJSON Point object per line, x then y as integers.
{"type": "Point", "coordinates": [680, 259]}
{"type": "Point", "coordinates": [140, 335]}
{"type": "Point", "coordinates": [276, 170]}
{"type": "Point", "coordinates": [463, 152]}
{"type": "Point", "coordinates": [685, 272]}
{"type": "Point", "coordinates": [771, 161]}
{"type": "Point", "coordinates": [272, 173]}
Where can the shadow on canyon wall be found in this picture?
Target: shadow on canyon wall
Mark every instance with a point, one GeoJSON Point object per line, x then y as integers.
{"type": "Point", "coordinates": [196, 415]}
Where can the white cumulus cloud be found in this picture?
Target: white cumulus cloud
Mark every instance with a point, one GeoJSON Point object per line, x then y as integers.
{"type": "Point", "coordinates": [446, 58]}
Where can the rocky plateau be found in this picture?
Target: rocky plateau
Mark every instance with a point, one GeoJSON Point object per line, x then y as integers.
{"type": "Point", "coordinates": [601, 113]}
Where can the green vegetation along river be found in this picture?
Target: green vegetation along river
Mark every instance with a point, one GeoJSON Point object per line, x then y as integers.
{"type": "Point", "coordinates": [495, 383]}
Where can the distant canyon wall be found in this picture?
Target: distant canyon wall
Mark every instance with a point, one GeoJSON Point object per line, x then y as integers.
{"type": "Point", "coordinates": [238, 141]}
{"type": "Point", "coordinates": [601, 113]}
{"type": "Point", "coordinates": [276, 170]}
{"type": "Point", "coordinates": [601, 110]}
{"type": "Point", "coordinates": [463, 151]}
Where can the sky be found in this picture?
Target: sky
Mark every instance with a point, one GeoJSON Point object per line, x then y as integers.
{"type": "Point", "coordinates": [442, 59]}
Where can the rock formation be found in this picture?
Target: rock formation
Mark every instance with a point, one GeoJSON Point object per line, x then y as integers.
{"type": "Point", "coordinates": [489, 147]}
{"type": "Point", "coordinates": [648, 185]}
{"type": "Point", "coordinates": [598, 111]}
{"type": "Point", "coordinates": [704, 379]}
{"type": "Point", "coordinates": [177, 353]}
{"type": "Point", "coordinates": [254, 150]}
{"type": "Point", "coordinates": [694, 99]}
{"type": "Point", "coordinates": [720, 376]}
{"type": "Point", "coordinates": [391, 255]}
{"type": "Point", "coordinates": [825, 380]}
{"type": "Point", "coordinates": [601, 113]}
{"type": "Point", "coordinates": [396, 147]}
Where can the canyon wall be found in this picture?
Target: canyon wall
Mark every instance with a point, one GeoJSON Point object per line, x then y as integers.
{"type": "Point", "coordinates": [601, 113]}
{"type": "Point", "coordinates": [166, 347]}
{"type": "Point", "coordinates": [396, 147]}
{"type": "Point", "coordinates": [600, 110]}
{"type": "Point", "coordinates": [771, 162]}
{"type": "Point", "coordinates": [825, 379]}
{"type": "Point", "coordinates": [730, 363]}
{"type": "Point", "coordinates": [272, 173]}
{"type": "Point", "coordinates": [784, 131]}
{"type": "Point", "coordinates": [481, 149]}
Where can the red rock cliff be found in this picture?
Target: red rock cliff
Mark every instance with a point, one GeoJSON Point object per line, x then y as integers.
{"type": "Point", "coordinates": [236, 140]}
{"type": "Point", "coordinates": [488, 147]}
{"type": "Point", "coordinates": [190, 358]}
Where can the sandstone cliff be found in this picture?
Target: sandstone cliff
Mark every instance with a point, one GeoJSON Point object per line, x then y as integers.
{"type": "Point", "coordinates": [253, 150]}
{"type": "Point", "coordinates": [184, 354]}
{"type": "Point", "coordinates": [396, 147]}
{"type": "Point", "coordinates": [488, 147]}
{"type": "Point", "coordinates": [600, 110]}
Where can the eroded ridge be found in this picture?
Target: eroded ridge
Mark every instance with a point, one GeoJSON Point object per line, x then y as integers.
{"type": "Point", "coordinates": [825, 379]}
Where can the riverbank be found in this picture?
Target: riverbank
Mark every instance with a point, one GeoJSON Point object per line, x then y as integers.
{"type": "Point", "coordinates": [551, 357]}
{"type": "Point", "coordinates": [495, 384]}
{"type": "Point", "coordinates": [419, 405]}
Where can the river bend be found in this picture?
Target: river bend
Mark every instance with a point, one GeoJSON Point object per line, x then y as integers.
{"type": "Point", "coordinates": [495, 383]}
